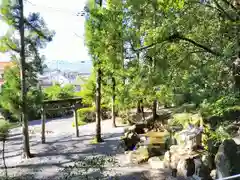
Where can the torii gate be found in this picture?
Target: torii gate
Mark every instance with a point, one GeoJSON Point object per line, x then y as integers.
{"type": "Point", "coordinates": [71, 103]}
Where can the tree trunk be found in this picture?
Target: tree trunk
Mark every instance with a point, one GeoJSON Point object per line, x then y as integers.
{"type": "Point", "coordinates": [98, 106]}
{"type": "Point", "coordinates": [98, 95]}
{"type": "Point", "coordinates": [142, 110]}
{"type": "Point", "coordinates": [3, 157]}
{"type": "Point", "coordinates": [26, 147]}
{"type": "Point", "coordinates": [113, 102]}
{"type": "Point", "coordinates": [154, 110]}
{"type": "Point", "coordinates": [138, 107]}
{"type": "Point", "coordinates": [75, 115]}
{"type": "Point", "coordinates": [43, 125]}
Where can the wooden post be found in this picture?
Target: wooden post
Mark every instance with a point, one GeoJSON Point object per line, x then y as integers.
{"type": "Point", "coordinates": [43, 125]}
{"type": "Point", "coordinates": [75, 115]}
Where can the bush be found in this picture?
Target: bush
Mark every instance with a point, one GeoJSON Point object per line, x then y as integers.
{"type": "Point", "coordinates": [183, 119]}
{"type": "Point", "coordinates": [165, 96]}
{"type": "Point", "coordinates": [186, 108]}
{"type": "Point", "coordinates": [86, 114]}
{"type": "Point", "coordinates": [125, 116]}
{"type": "Point", "coordinates": [218, 107]}
{"type": "Point", "coordinates": [216, 136]}
{"type": "Point", "coordinates": [179, 99]}
{"type": "Point", "coordinates": [232, 113]}
{"type": "Point", "coordinates": [4, 129]}
{"type": "Point", "coordinates": [130, 118]}
{"type": "Point", "coordinates": [80, 123]}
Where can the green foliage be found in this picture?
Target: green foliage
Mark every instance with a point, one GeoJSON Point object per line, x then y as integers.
{"type": "Point", "coordinates": [125, 117]}
{"type": "Point", "coordinates": [10, 96]}
{"type": "Point", "coordinates": [36, 37]}
{"type": "Point", "coordinates": [88, 90]}
{"type": "Point", "coordinates": [165, 96]}
{"type": "Point", "coordinates": [220, 106]}
{"type": "Point", "coordinates": [58, 92]}
{"type": "Point", "coordinates": [216, 136]}
{"type": "Point", "coordinates": [178, 52]}
{"type": "Point", "coordinates": [189, 108]}
{"type": "Point", "coordinates": [4, 129]}
{"type": "Point", "coordinates": [220, 134]}
{"type": "Point", "coordinates": [80, 123]}
{"type": "Point", "coordinates": [86, 114]}
{"type": "Point", "coordinates": [184, 119]}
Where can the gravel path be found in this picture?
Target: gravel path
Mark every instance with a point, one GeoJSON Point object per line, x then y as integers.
{"type": "Point", "coordinates": [62, 148]}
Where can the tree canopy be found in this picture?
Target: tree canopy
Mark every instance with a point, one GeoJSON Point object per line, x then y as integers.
{"type": "Point", "coordinates": [173, 51]}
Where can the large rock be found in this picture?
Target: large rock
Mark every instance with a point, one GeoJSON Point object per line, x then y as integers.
{"type": "Point", "coordinates": [213, 174]}
{"type": "Point", "coordinates": [191, 138]}
{"type": "Point", "coordinates": [140, 155]}
{"type": "Point", "coordinates": [131, 139]}
{"type": "Point", "coordinates": [201, 170]}
{"type": "Point", "coordinates": [186, 161]}
{"type": "Point", "coordinates": [156, 163]}
{"type": "Point", "coordinates": [208, 159]}
{"type": "Point", "coordinates": [227, 159]}
{"type": "Point", "coordinates": [176, 153]}
{"type": "Point", "coordinates": [137, 128]}
{"type": "Point", "coordinates": [186, 167]}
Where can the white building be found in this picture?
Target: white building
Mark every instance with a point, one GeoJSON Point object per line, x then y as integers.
{"type": "Point", "coordinates": [49, 78]}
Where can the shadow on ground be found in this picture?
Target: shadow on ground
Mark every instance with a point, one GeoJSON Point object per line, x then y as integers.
{"type": "Point", "coordinates": [87, 176]}
{"type": "Point", "coordinates": [64, 150]}
{"type": "Point", "coordinates": [76, 149]}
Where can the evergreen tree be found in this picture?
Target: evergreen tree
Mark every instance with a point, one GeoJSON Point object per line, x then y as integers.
{"type": "Point", "coordinates": [33, 34]}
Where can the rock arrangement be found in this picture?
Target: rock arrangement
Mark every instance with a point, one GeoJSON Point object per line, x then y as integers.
{"type": "Point", "coordinates": [186, 157]}
{"type": "Point", "coordinates": [181, 151]}
{"type": "Point", "coordinates": [227, 159]}
{"type": "Point", "coordinates": [141, 144]}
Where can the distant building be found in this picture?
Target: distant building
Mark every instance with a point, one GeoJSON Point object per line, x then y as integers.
{"type": "Point", "coordinates": [49, 78]}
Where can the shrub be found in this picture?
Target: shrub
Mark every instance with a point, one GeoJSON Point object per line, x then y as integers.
{"type": "Point", "coordinates": [125, 116]}
{"type": "Point", "coordinates": [232, 113]}
{"type": "Point", "coordinates": [184, 119]}
{"type": "Point", "coordinates": [165, 96]}
{"type": "Point", "coordinates": [80, 123]}
{"type": "Point", "coordinates": [218, 107]}
{"type": "Point", "coordinates": [86, 114]}
{"type": "Point", "coordinates": [130, 118]}
{"type": "Point", "coordinates": [4, 129]}
{"type": "Point", "coordinates": [216, 136]}
{"type": "Point", "coordinates": [186, 108]}
{"type": "Point", "coordinates": [179, 99]}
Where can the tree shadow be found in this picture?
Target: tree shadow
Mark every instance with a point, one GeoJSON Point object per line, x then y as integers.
{"type": "Point", "coordinates": [78, 147]}
{"type": "Point", "coordinates": [60, 151]}
{"type": "Point", "coordinates": [96, 175]}
{"type": "Point", "coordinates": [104, 175]}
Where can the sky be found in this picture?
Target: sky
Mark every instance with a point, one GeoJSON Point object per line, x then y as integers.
{"type": "Point", "coordinates": [60, 16]}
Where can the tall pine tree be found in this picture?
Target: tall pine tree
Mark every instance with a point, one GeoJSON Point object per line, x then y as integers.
{"type": "Point", "coordinates": [32, 35]}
